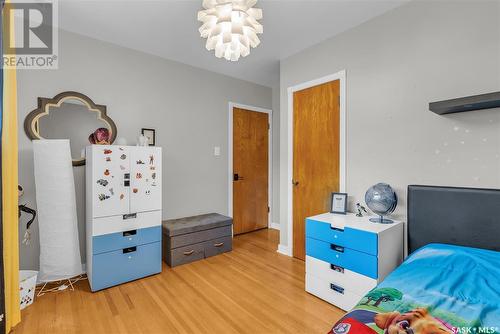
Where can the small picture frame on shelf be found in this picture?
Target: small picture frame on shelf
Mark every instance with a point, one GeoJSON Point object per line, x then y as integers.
{"type": "Point", "coordinates": [150, 134]}
{"type": "Point", "coordinates": [338, 203]}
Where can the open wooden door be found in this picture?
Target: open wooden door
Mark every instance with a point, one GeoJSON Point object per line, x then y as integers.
{"type": "Point", "coordinates": [316, 155]}
{"type": "Point", "coordinates": [250, 170]}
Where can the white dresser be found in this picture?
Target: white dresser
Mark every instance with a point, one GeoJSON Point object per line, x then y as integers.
{"type": "Point", "coordinates": [124, 201]}
{"type": "Point", "coordinates": [347, 256]}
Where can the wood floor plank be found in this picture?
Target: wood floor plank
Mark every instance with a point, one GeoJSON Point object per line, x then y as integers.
{"type": "Point", "coordinates": [252, 289]}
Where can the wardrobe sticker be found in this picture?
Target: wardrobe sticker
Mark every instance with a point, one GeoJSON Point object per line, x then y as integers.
{"type": "Point", "coordinates": [102, 182]}
{"type": "Point", "coordinates": [103, 197]}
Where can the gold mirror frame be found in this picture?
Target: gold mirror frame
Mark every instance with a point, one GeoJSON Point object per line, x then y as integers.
{"type": "Point", "coordinates": [31, 121]}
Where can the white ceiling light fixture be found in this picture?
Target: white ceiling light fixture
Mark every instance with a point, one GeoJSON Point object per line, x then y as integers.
{"type": "Point", "coordinates": [230, 27]}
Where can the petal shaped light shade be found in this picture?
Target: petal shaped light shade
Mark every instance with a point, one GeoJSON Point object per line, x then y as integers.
{"type": "Point", "coordinates": [230, 27]}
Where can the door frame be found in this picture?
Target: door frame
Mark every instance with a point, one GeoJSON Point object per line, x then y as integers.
{"type": "Point", "coordinates": [233, 105]}
{"type": "Point", "coordinates": [341, 75]}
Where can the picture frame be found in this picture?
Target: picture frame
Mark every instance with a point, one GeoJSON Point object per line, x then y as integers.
{"type": "Point", "coordinates": [150, 134]}
{"type": "Point", "coordinates": [338, 203]}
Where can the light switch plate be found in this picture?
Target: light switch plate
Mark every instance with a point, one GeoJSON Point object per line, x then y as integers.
{"type": "Point", "coordinates": [216, 151]}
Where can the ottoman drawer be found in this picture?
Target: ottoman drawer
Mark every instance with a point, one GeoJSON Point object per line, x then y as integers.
{"type": "Point", "coordinates": [197, 237]}
{"type": "Point", "coordinates": [218, 246]}
{"type": "Point", "coordinates": [182, 255]}
{"type": "Point", "coordinates": [193, 238]}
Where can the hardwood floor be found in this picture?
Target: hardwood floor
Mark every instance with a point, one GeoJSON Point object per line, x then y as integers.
{"type": "Point", "coordinates": [252, 289]}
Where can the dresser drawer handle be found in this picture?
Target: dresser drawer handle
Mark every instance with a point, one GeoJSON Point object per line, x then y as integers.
{"type": "Point", "coordinates": [219, 244]}
{"type": "Point", "coordinates": [337, 268]}
{"type": "Point", "coordinates": [129, 250]}
{"type": "Point", "coordinates": [336, 288]}
{"type": "Point", "coordinates": [337, 248]}
{"type": "Point", "coordinates": [129, 233]}
{"type": "Point", "coordinates": [189, 252]}
{"type": "Point", "coordinates": [336, 229]}
{"type": "Point", "coordinates": [130, 216]}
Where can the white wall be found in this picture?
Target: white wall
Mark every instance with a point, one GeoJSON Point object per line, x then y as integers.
{"type": "Point", "coordinates": [275, 212]}
{"type": "Point", "coordinates": [187, 106]}
{"type": "Point", "coordinates": [396, 64]}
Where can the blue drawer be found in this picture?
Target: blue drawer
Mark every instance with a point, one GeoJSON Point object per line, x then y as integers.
{"type": "Point", "coordinates": [359, 262]}
{"type": "Point", "coordinates": [115, 241]}
{"type": "Point", "coordinates": [125, 265]}
{"type": "Point", "coordinates": [359, 240]}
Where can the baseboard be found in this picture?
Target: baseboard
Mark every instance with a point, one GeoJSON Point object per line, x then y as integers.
{"type": "Point", "coordinates": [283, 250]}
{"type": "Point", "coordinates": [274, 226]}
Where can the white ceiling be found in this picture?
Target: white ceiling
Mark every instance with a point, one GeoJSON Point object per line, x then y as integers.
{"type": "Point", "coordinates": [169, 29]}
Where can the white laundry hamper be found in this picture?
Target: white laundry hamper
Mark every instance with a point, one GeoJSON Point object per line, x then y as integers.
{"type": "Point", "coordinates": [27, 285]}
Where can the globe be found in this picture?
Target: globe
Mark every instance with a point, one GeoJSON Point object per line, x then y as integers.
{"type": "Point", "coordinates": [382, 200]}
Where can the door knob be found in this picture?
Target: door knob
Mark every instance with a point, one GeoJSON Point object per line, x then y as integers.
{"type": "Point", "coordinates": [295, 183]}
{"type": "Point", "coordinates": [237, 177]}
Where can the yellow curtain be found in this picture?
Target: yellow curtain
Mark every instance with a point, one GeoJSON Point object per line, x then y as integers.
{"type": "Point", "coordinates": [9, 196]}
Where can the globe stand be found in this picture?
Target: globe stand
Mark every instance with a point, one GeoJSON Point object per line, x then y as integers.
{"type": "Point", "coordinates": [381, 220]}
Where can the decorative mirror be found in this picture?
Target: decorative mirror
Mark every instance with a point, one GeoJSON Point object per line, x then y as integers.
{"type": "Point", "coordinates": [69, 115]}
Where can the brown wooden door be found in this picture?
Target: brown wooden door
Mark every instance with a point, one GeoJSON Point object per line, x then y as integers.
{"type": "Point", "coordinates": [316, 155]}
{"type": "Point", "coordinates": [251, 165]}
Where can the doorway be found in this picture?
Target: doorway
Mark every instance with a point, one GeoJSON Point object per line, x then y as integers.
{"type": "Point", "coordinates": [316, 152]}
{"type": "Point", "coordinates": [249, 160]}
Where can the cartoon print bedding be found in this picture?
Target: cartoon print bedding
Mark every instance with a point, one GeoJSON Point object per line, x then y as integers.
{"type": "Point", "coordinates": [439, 289]}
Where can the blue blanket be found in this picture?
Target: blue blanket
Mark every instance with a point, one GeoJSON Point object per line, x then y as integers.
{"type": "Point", "coordinates": [438, 289]}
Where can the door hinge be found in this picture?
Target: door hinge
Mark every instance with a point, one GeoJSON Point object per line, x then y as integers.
{"type": "Point", "coordinates": [268, 209]}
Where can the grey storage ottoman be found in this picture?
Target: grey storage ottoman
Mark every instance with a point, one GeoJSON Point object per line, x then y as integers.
{"type": "Point", "coordinates": [193, 238]}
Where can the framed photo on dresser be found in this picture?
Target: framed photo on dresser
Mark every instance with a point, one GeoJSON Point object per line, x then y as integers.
{"type": "Point", "coordinates": [338, 203]}
{"type": "Point", "coordinates": [150, 134]}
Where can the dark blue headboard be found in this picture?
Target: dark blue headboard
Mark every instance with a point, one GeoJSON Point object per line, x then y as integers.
{"type": "Point", "coordinates": [451, 215]}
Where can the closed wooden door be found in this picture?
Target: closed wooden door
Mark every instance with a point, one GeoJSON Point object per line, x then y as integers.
{"type": "Point", "coordinates": [250, 170]}
{"type": "Point", "coordinates": [316, 155]}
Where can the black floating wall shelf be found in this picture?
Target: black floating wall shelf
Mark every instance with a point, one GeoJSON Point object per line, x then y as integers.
{"type": "Point", "coordinates": [469, 103]}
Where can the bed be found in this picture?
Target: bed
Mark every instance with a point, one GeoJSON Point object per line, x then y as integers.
{"type": "Point", "coordinates": [450, 283]}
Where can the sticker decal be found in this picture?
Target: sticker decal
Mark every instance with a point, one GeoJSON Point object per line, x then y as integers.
{"type": "Point", "coordinates": [103, 197]}
{"type": "Point", "coordinates": [152, 168]}
{"type": "Point", "coordinates": [140, 162]}
{"type": "Point", "coordinates": [107, 151]}
{"type": "Point", "coordinates": [120, 148]}
{"type": "Point", "coordinates": [111, 191]}
{"type": "Point", "coordinates": [148, 192]}
{"type": "Point", "coordinates": [151, 159]}
{"type": "Point", "coordinates": [122, 196]}
{"type": "Point", "coordinates": [153, 184]}
{"type": "Point", "coordinates": [122, 167]}
{"type": "Point", "coordinates": [102, 182]}
{"type": "Point", "coordinates": [138, 176]}
{"type": "Point", "coordinates": [123, 156]}
{"type": "Point", "coordinates": [135, 190]}
{"type": "Point", "coordinates": [153, 176]}
{"type": "Point", "coordinates": [106, 172]}
{"type": "Point", "coordinates": [108, 159]}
